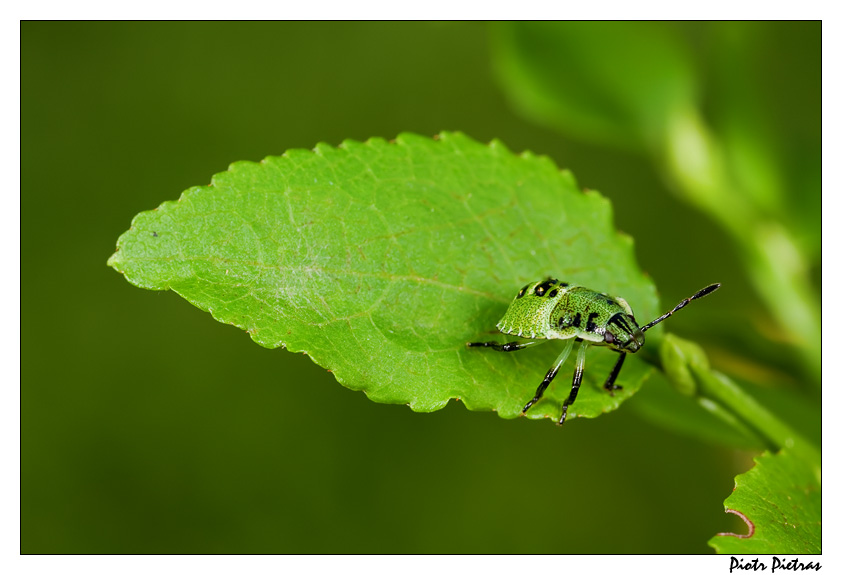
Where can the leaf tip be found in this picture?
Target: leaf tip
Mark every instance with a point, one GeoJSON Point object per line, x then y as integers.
{"type": "Point", "coordinates": [114, 261]}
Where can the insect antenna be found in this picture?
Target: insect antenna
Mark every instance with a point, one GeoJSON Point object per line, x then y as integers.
{"type": "Point", "coordinates": [701, 293]}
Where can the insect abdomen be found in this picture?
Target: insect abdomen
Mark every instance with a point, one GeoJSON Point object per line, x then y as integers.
{"type": "Point", "coordinates": [529, 315]}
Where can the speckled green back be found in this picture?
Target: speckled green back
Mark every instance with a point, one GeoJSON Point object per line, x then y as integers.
{"type": "Point", "coordinates": [550, 309]}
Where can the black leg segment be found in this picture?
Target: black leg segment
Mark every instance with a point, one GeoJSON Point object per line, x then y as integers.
{"type": "Point", "coordinates": [509, 346]}
{"type": "Point", "coordinates": [577, 382]}
{"type": "Point", "coordinates": [549, 377]}
{"type": "Point", "coordinates": [539, 393]}
{"type": "Point", "coordinates": [609, 383]}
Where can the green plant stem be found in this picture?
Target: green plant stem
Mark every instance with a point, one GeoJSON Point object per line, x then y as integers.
{"type": "Point", "coordinates": [688, 370]}
{"type": "Point", "coordinates": [737, 424]}
{"type": "Point", "coordinates": [719, 388]}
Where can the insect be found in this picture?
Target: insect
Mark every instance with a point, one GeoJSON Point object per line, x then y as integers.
{"type": "Point", "coordinates": [552, 309]}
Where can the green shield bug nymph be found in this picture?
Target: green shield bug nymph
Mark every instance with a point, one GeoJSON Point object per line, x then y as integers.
{"type": "Point", "coordinates": [551, 309]}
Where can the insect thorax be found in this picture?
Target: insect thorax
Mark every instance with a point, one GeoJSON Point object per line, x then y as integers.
{"type": "Point", "coordinates": [552, 309]}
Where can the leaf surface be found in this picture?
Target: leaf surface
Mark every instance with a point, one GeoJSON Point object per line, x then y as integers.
{"type": "Point", "coordinates": [780, 499]}
{"type": "Point", "coordinates": [381, 260]}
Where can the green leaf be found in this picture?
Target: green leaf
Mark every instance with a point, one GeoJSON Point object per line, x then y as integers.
{"type": "Point", "coordinates": [381, 260]}
{"type": "Point", "coordinates": [780, 500]}
{"type": "Point", "coordinates": [598, 80]}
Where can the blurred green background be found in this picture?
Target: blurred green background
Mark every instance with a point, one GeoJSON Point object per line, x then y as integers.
{"type": "Point", "coordinates": [147, 427]}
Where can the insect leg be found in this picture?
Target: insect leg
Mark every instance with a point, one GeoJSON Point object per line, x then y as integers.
{"type": "Point", "coordinates": [510, 346]}
{"type": "Point", "coordinates": [577, 381]}
{"type": "Point", "coordinates": [609, 383]}
{"type": "Point", "coordinates": [550, 375]}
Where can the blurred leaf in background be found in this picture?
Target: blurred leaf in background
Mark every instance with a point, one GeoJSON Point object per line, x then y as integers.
{"type": "Point", "coordinates": [727, 113]}
{"type": "Point", "coordinates": [149, 428]}
{"type": "Point", "coordinates": [597, 80]}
